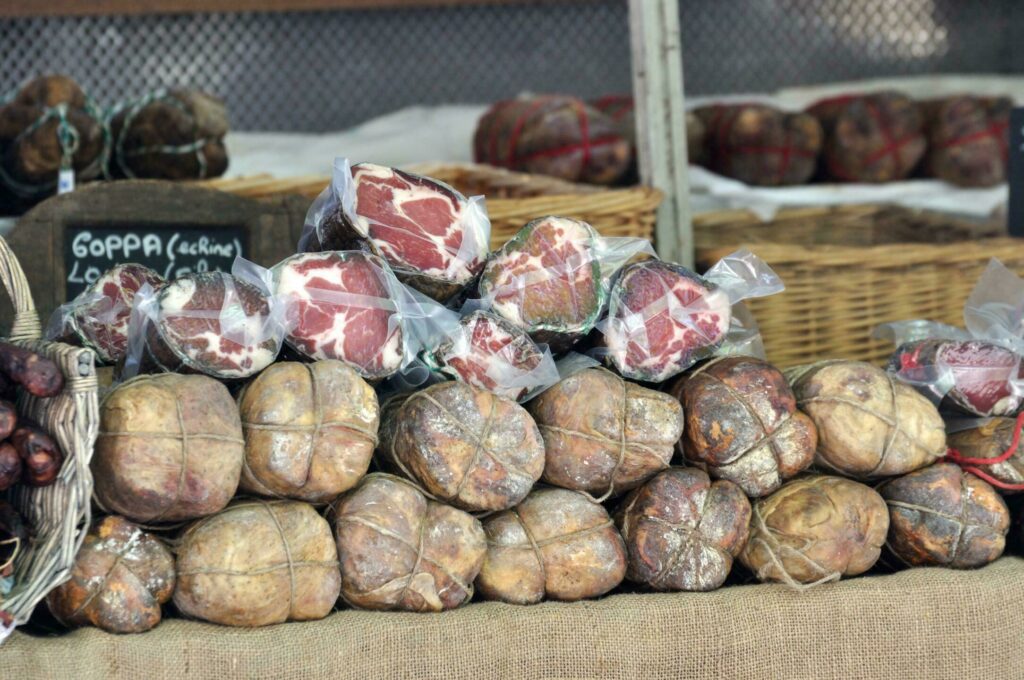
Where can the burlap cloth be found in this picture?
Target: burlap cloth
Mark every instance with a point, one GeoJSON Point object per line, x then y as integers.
{"type": "Point", "coordinates": [918, 624]}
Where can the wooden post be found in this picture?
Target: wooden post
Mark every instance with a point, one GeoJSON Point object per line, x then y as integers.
{"type": "Point", "coordinates": [661, 120]}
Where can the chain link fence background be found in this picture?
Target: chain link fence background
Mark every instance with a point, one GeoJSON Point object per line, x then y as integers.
{"type": "Point", "coordinates": [316, 71]}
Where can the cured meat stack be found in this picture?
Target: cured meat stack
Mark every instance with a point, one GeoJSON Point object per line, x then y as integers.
{"type": "Point", "coordinates": [259, 464]}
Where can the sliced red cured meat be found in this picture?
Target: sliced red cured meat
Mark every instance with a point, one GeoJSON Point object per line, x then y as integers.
{"type": "Point", "coordinates": [547, 281]}
{"type": "Point", "coordinates": [213, 323]}
{"type": "Point", "coordinates": [434, 238]}
{"type": "Point", "coordinates": [660, 315]}
{"type": "Point", "coordinates": [340, 305]}
{"type": "Point", "coordinates": [98, 318]}
{"type": "Point", "coordinates": [490, 353]}
{"type": "Point", "coordinates": [971, 376]}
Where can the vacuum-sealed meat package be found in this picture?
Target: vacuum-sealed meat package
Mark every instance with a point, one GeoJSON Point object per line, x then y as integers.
{"type": "Point", "coordinates": [435, 239]}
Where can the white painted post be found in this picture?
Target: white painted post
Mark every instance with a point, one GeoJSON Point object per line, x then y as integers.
{"type": "Point", "coordinates": [661, 120]}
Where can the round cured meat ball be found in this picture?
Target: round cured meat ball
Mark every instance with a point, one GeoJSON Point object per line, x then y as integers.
{"type": "Point", "coordinates": [683, 531]}
{"type": "Point", "coordinates": [557, 544]}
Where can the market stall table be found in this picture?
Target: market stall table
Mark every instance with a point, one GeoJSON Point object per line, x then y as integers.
{"type": "Point", "coordinates": [923, 623]}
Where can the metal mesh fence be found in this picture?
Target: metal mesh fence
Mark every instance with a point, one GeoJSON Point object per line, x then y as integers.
{"type": "Point", "coordinates": [308, 71]}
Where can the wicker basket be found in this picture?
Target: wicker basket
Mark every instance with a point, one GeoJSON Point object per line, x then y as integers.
{"type": "Point", "coordinates": [848, 269]}
{"type": "Point", "coordinates": [58, 514]}
{"type": "Point", "coordinates": [513, 198]}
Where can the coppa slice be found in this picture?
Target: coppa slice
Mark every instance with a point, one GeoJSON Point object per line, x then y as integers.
{"type": "Point", "coordinates": [212, 323]}
{"type": "Point", "coordinates": [340, 305]}
{"type": "Point", "coordinates": [971, 376]}
{"type": "Point", "coordinates": [434, 238]}
{"type": "Point", "coordinates": [490, 353]}
{"type": "Point", "coordinates": [659, 315]}
{"type": "Point", "coordinates": [547, 281]}
{"type": "Point", "coordinates": [98, 318]}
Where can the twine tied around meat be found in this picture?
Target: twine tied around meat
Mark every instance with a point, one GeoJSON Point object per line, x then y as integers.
{"type": "Point", "coordinates": [68, 138]}
{"type": "Point", "coordinates": [536, 545]}
{"type": "Point", "coordinates": [621, 443]}
{"type": "Point", "coordinates": [313, 430]}
{"type": "Point", "coordinates": [480, 448]}
{"type": "Point", "coordinates": [892, 421]}
{"type": "Point", "coordinates": [970, 464]}
{"type": "Point", "coordinates": [511, 158]}
{"type": "Point", "coordinates": [183, 436]}
{"type": "Point", "coordinates": [290, 563]}
{"type": "Point", "coordinates": [412, 580]}
{"type": "Point", "coordinates": [777, 554]}
{"type": "Point", "coordinates": [133, 108]}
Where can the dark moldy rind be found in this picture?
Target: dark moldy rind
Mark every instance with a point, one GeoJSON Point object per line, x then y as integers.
{"type": "Point", "coordinates": [742, 423]}
{"type": "Point", "coordinates": [682, 530]}
{"type": "Point", "coordinates": [944, 516]}
{"type": "Point", "coordinates": [179, 119]}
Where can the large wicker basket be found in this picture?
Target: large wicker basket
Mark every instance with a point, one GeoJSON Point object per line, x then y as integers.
{"type": "Point", "coordinates": [849, 268]}
{"type": "Point", "coordinates": [513, 198]}
{"type": "Point", "coordinates": [57, 514]}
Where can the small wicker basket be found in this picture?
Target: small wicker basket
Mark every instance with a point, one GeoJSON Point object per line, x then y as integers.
{"type": "Point", "coordinates": [57, 514]}
{"type": "Point", "coordinates": [849, 268]}
{"type": "Point", "coordinates": [513, 198]}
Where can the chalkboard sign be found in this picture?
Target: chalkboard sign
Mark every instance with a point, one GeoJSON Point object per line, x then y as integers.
{"type": "Point", "coordinates": [172, 252]}
{"type": "Point", "coordinates": [1015, 174]}
{"type": "Point", "coordinates": [174, 227]}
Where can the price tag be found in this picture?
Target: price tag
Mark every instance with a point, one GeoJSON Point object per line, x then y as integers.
{"type": "Point", "coordinates": [65, 181]}
{"type": "Point", "coordinates": [1015, 174]}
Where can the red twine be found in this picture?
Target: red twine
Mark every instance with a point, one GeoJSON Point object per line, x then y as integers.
{"type": "Point", "coordinates": [968, 463]}
{"type": "Point", "coordinates": [996, 130]}
{"type": "Point", "coordinates": [622, 103]}
{"type": "Point", "coordinates": [722, 130]}
{"type": "Point", "coordinates": [513, 158]}
{"type": "Point", "coordinates": [891, 147]}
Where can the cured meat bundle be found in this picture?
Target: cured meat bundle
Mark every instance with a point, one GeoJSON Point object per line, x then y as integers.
{"type": "Point", "coordinates": [99, 317]}
{"type": "Point", "coordinates": [258, 563]}
{"type": "Point", "coordinates": [942, 516]}
{"type": "Point", "coordinates": [869, 425]}
{"type": "Point", "coordinates": [968, 139]}
{"type": "Point", "coordinates": [465, 446]}
{"type": "Point", "coordinates": [761, 145]}
{"type": "Point", "coordinates": [969, 376]}
{"type": "Point", "coordinates": [342, 305]}
{"type": "Point", "coordinates": [49, 123]}
{"type": "Point", "coordinates": [557, 544]}
{"type": "Point", "coordinates": [605, 435]}
{"type": "Point", "coordinates": [661, 316]}
{"type": "Point", "coordinates": [547, 280]}
{"type": "Point", "coordinates": [870, 138]}
{"type": "Point", "coordinates": [433, 237]}
{"type": "Point", "coordinates": [553, 135]}
{"type": "Point", "coordinates": [119, 581]}
{"type": "Point", "coordinates": [742, 424]}
{"type": "Point", "coordinates": [210, 323]}
{"type": "Point", "coordinates": [488, 352]}
{"type": "Point", "coordinates": [401, 551]}
{"type": "Point", "coordinates": [814, 530]}
{"type": "Point", "coordinates": [683, 531]}
{"type": "Point", "coordinates": [992, 450]}
{"type": "Point", "coordinates": [170, 134]}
